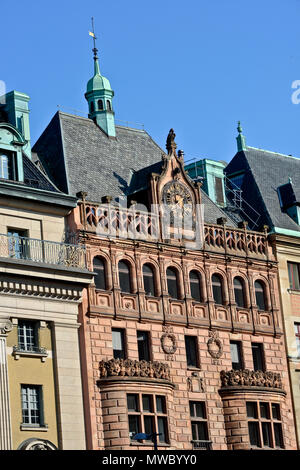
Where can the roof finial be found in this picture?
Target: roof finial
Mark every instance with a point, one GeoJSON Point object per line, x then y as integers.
{"type": "Point", "coordinates": [241, 141]}
{"type": "Point", "coordinates": [95, 50]}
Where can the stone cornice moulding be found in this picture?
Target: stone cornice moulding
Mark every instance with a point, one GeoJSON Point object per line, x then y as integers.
{"type": "Point", "coordinates": [6, 327]}
{"type": "Point", "coordinates": [26, 289]}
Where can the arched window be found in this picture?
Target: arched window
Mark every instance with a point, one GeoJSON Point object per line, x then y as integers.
{"type": "Point", "coordinates": [124, 276]}
{"type": "Point", "coordinates": [92, 107]}
{"type": "Point", "coordinates": [260, 295]}
{"type": "Point", "coordinates": [99, 269]}
{"type": "Point", "coordinates": [195, 284]}
{"type": "Point", "coordinates": [108, 105]}
{"type": "Point", "coordinates": [100, 105]}
{"type": "Point", "coordinates": [238, 285]}
{"type": "Point", "coordinates": [172, 281]}
{"type": "Point", "coordinates": [148, 277]}
{"type": "Point", "coordinates": [217, 289]}
{"type": "Point", "coordinates": [5, 167]}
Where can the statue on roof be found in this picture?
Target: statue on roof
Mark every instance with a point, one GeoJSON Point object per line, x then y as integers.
{"type": "Point", "coordinates": [171, 145]}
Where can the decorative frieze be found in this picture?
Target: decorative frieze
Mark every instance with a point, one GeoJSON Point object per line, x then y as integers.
{"type": "Point", "coordinates": [37, 289]}
{"type": "Point", "coordinates": [131, 368]}
{"type": "Point", "coordinates": [251, 378]}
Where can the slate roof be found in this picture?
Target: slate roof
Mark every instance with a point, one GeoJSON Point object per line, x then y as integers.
{"type": "Point", "coordinates": [78, 156]}
{"type": "Point", "coordinates": [265, 171]}
{"type": "Point", "coordinates": [34, 177]}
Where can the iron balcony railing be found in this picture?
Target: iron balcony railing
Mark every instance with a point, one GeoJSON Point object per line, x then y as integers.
{"type": "Point", "coordinates": [42, 251]}
{"type": "Point", "coordinates": [201, 445]}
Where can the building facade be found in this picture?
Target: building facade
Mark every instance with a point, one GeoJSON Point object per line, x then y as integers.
{"type": "Point", "coordinates": [181, 332]}
{"type": "Point", "coordinates": [41, 281]}
{"type": "Point", "coordinates": [270, 182]}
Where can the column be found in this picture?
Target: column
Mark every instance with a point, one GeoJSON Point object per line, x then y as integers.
{"type": "Point", "coordinates": [5, 424]}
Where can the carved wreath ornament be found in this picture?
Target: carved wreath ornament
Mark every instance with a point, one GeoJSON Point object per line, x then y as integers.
{"type": "Point", "coordinates": [214, 345]}
{"type": "Point", "coordinates": [168, 343]}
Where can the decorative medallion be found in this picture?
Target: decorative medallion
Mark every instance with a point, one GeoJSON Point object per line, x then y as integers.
{"type": "Point", "coordinates": [34, 443]}
{"type": "Point", "coordinates": [168, 343]}
{"type": "Point", "coordinates": [177, 197]}
{"type": "Point", "coordinates": [214, 345]}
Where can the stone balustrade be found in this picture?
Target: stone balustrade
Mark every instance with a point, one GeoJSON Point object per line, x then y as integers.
{"type": "Point", "coordinates": [251, 378]}
{"type": "Point", "coordinates": [133, 368]}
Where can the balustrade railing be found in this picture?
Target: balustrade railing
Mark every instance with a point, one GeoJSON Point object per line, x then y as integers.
{"type": "Point", "coordinates": [42, 251]}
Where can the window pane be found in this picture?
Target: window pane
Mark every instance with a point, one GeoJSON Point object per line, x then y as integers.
{"type": "Point", "coordinates": [124, 277]}
{"type": "Point", "coordinates": [148, 425]}
{"type": "Point", "coordinates": [254, 434]}
{"type": "Point", "coordinates": [134, 425]}
{"type": "Point", "coordinates": [162, 429]}
{"type": "Point", "coordinates": [143, 345]}
{"type": "Point", "coordinates": [276, 411]}
{"type": "Point", "coordinates": [98, 267]}
{"type": "Point", "coordinates": [172, 283]}
{"type": "Point", "coordinates": [251, 409]}
{"type": "Point", "coordinates": [257, 354]}
{"type": "Point", "coordinates": [266, 431]}
{"type": "Point", "coordinates": [147, 403]}
{"type": "Point", "coordinates": [297, 334]}
{"type": "Point", "coordinates": [132, 402]}
{"type": "Point", "coordinates": [278, 435]}
{"type": "Point", "coordinates": [195, 286]}
{"type": "Point", "coordinates": [27, 336]}
{"type": "Point", "coordinates": [148, 276]}
{"type": "Point", "coordinates": [191, 351]}
{"type": "Point", "coordinates": [199, 410]}
{"type": "Point", "coordinates": [236, 357]}
{"type": "Point", "coordinates": [239, 292]}
{"type": "Point", "coordinates": [160, 404]}
{"type": "Point", "coordinates": [293, 270]}
{"type": "Point", "coordinates": [260, 295]}
{"type": "Point", "coordinates": [264, 410]}
{"type": "Point", "coordinates": [217, 289]}
{"type": "Point", "coordinates": [199, 431]}
{"type": "Point", "coordinates": [31, 404]}
{"type": "Point", "coordinates": [118, 344]}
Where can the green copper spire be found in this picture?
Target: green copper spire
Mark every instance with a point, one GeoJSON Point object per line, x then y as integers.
{"type": "Point", "coordinates": [241, 141]}
{"type": "Point", "coordinates": [99, 96]}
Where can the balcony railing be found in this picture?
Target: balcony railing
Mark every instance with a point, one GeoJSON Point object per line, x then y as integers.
{"type": "Point", "coordinates": [42, 251]}
{"type": "Point", "coordinates": [201, 445]}
{"type": "Point", "coordinates": [251, 378]}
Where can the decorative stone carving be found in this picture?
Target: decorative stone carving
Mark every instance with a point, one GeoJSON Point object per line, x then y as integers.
{"type": "Point", "coordinates": [214, 345]}
{"type": "Point", "coordinates": [252, 378]}
{"type": "Point", "coordinates": [35, 443]}
{"type": "Point", "coordinates": [195, 384]}
{"type": "Point", "coordinates": [168, 343]}
{"type": "Point", "coordinates": [5, 327]}
{"type": "Point", "coordinates": [171, 145]}
{"type": "Point", "coordinates": [131, 368]}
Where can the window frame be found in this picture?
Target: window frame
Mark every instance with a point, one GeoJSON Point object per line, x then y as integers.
{"type": "Point", "coordinates": [40, 405]}
{"type": "Point", "coordinates": [28, 325]}
{"type": "Point", "coordinates": [148, 345]}
{"type": "Point", "coordinates": [294, 283]}
{"type": "Point", "coordinates": [123, 344]}
{"type": "Point", "coordinates": [239, 353]}
{"type": "Point", "coordinates": [188, 353]}
{"type": "Point", "coordinates": [200, 299]}
{"type": "Point", "coordinates": [129, 281]}
{"type": "Point", "coordinates": [156, 416]}
{"type": "Point", "coordinates": [103, 278]}
{"type": "Point", "coordinates": [172, 269]}
{"type": "Point", "coordinates": [297, 335]}
{"type": "Point", "coordinates": [262, 423]}
{"type": "Point", "coordinates": [149, 276]}
{"type": "Point", "coordinates": [198, 419]}
{"type": "Point", "coordinates": [221, 287]}
{"type": "Point", "coordinates": [11, 166]}
{"type": "Point", "coordinates": [239, 290]}
{"type": "Point", "coordinates": [264, 293]}
{"type": "Point", "coordinates": [262, 352]}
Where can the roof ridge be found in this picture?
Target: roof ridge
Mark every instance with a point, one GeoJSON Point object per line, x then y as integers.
{"type": "Point", "coordinates": [275, 153]}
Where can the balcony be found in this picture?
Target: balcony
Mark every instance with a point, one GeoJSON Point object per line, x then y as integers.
{"type": "Point", "coordinates": [202, 445]}
{"type": "Point", "coordinates": [42, 251]}
{"type": "Point", "coordinates": [251, 379]}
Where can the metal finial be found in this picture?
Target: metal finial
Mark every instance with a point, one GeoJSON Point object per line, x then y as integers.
{"type": "Point", "coordinates": [239, 128]}
{"type": "Point", "coordinates": [95, 50]}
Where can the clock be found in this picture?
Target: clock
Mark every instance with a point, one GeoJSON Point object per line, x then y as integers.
{"type": "Point", "coordinates": [177, 197]}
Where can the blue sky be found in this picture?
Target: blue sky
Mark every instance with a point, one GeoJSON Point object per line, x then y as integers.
{"type": "Point", "coordinates": [198, 66]}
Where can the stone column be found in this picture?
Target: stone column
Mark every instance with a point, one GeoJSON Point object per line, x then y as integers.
{"type": "Point", "coordinates": [69, 387]}
{"type": "Point", "coordinates": [5, 423]}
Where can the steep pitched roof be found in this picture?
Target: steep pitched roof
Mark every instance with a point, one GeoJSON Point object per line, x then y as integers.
{"type": "Point", "coordinates": [265, 171]}
{"type": "Point", "coordinates": [78, 156]}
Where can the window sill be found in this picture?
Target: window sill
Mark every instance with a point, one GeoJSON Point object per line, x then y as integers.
{"type": "Point", "coordinates": [294, 291]}
{"type": "Point", "coordinates": [17, 353]}
{"type": "Point", "coordinates": [32, 427]}
{"type": "Point", "coordinates": [194, 368]}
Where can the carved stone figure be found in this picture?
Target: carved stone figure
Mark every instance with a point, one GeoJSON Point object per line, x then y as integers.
{"type": "Point", "coordinates": [131, 368]}
{"type": "Point", "coordinates": [252, 378]}
{"type": "Point", "coordinates": [171, 145]}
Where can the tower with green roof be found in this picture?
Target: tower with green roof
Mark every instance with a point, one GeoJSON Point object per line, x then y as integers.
{"type": "Point", "coordinates": [99, 97]}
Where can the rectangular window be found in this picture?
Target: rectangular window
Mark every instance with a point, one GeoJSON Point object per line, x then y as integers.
{"type": "Point", "coordinates": [264, 425]}
{"type": "Point", "coordinates": [31, 405]}
{"type": "Point", "coordinates": [258, 356]}
{"type": "Point", "coordinates": [143, 345]}
{"type": "Point", "coordinates": [199, 425]}
{"type": "Point", "coordinates": [18, 245]}
{"type": "Point", "coordinates": [236, 355]}
{"type": "Point", "coordinates": [191, 351]}
{"type": "Point", "coordinates": [297, 334]}
{"type": "Point", "coordinates": [148, 414]}
{"type": "Point", "coordinates": [28, 336]}
{"type": "Point", "coordinates": [118, 343]}
{"type": "Point", "coordinates": [294, 276]}
{"type": "Point", "coordinates": [219, 190]}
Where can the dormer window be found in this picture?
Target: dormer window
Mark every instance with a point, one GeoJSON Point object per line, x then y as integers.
{"type": "Point", "coordinates": [6, 167]}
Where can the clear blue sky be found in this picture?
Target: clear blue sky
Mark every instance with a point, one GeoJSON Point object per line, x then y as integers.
{"type": "Point", "coordinates": [198, 66]}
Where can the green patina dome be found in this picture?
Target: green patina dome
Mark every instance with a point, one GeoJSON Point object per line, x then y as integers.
{"type": "Point", "coordinates": [98, 83]}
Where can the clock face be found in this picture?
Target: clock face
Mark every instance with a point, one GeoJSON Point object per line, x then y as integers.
{"type": "Point", "coordinates": [177, 196]}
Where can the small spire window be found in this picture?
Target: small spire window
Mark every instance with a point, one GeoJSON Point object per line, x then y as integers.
{"type": "Point", "coordinates": [100, 105]}
{"type": "Point", "coordinates": [92, 106]}
{"type": "Point", "coordinates": [108, 105]}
